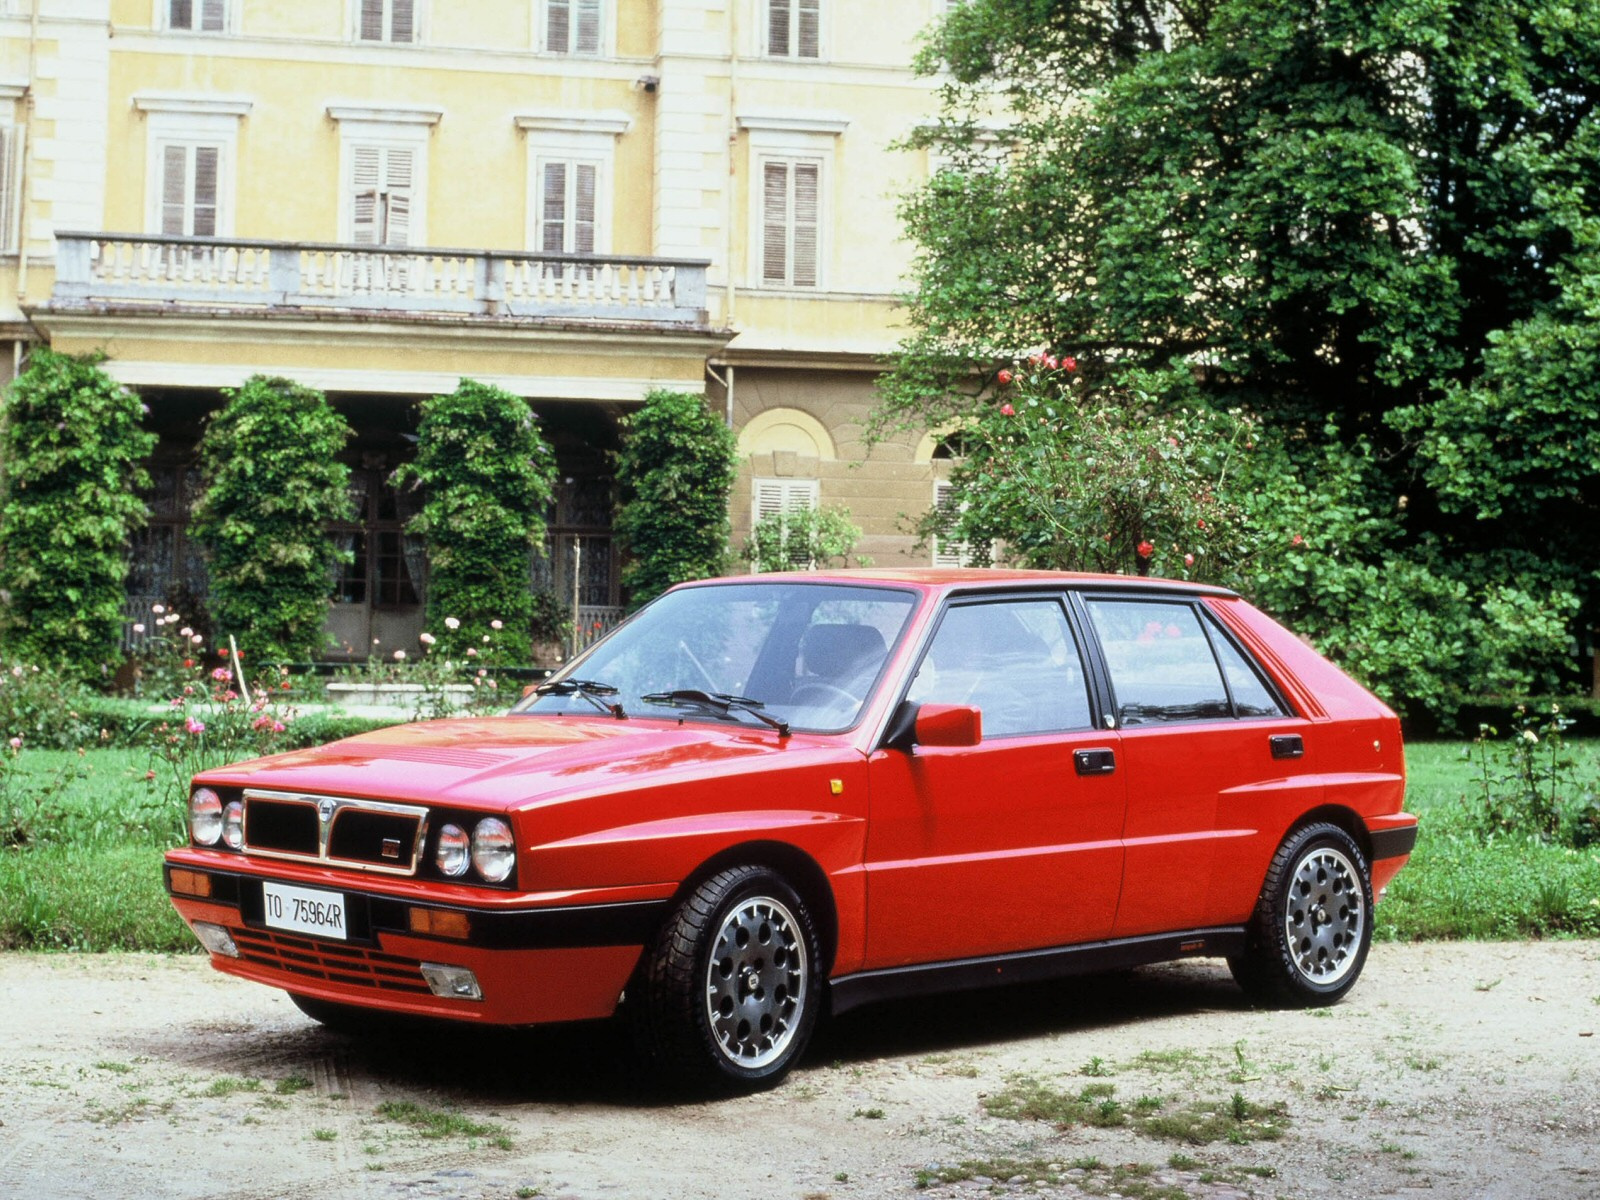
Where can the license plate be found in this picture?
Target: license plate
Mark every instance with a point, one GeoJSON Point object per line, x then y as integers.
{"type": "Point", "coordinates": [304, 910]}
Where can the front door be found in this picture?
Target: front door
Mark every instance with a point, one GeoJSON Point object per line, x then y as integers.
{"type": "Point", "coordinates": [377, 606]}
{"type": "Point", "coordinates": [1004, 846]}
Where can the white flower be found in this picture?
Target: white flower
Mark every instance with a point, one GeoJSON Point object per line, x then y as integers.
{"type": "Point", "coordinates": [185, 632]}
{"type": "Point", "coordinates": [472, 652]}
{"type": "Point", "coordinates": [399, 656]}
{"type": "Point", "coordinates": [1530, 737]}
{"type": "Point", "coordinates": [158, 609]}
{"type": "Point", "coordinates": [196, 638]}
{"type": "Point", "coordinates": [427, 639]}
{"type": "Point", "coordinates": [451, 623]}
{"type": "Point", "coordinates": [486, 637]}
{"type": "Point", "coordinates": [497, 624]}
{"type": "Point", "coordinates": [138, 626]}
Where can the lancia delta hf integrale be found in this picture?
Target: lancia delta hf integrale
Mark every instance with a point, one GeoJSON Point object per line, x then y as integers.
{"type": "Point", "coordinates": [765, 796]}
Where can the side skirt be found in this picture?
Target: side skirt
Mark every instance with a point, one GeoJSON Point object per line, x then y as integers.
{"type": "Point", "coordinates": [1028, 966]}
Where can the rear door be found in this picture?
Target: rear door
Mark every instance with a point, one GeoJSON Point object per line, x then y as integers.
{"type": "Point", "coordinates": [1213, 759]}
{"type": "Point", "coordinates": [1004, 846]}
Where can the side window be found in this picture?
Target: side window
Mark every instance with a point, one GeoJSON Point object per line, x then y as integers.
{"type": "Point", "coordinates": [1161, 663]}
{"type": "Point", "coordinates": [1251, 696]}
{"type": "Point", "coordinates": [1015, 660]}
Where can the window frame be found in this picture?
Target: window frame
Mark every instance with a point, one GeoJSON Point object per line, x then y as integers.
{"type": "Point", "coordinates": [230, 14]}
{"type": "Point", "coordinates": [173, 123]}
{"type": "Point", "coordinates": [604, 28]}
{"type": "Point", "coordinates": [794, 10]}
{"type": "Point", "coordinates": [585, 139]}
{"type": "Point", "coordinates": [419, 12]}
{"type": "Point", "coordinates": [384, 130]}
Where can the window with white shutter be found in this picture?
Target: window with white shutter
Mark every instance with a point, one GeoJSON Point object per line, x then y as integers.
{"type": "Point", "coordinates": [777, 497]}
{"type": "Point", "coordinates": [380, 195]}
{"type": "Point", "coordinates": [190, 177]}
{"type": "Point", "coordinates": [386, 21]}
{"type": "Point", "coordinates": [572, 26]}
{"type": "Point", "coordinates": [794, 28]}
{"type": "Point", "coordinates": [198, 16]}
{"type": "Point", "coordinates": [947, 551]}
{"type": "Point", "coordinates": [567, 204]}
{"type": "Point", "coordinates": [790, 222]}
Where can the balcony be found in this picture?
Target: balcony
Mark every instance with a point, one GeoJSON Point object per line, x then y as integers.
{"type": "Point", "coordinates": [248, 277]}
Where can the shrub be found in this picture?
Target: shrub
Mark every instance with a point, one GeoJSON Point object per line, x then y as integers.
{"type": "Point", "coordinates": [488, 479]}
{"type": "Point", "coordinates": [271, 483]}
{"type": "Point", "coordinates": [676, 472]}
{"type": "Point", "coordinates": [70, 450]}
{"type": "Point", "coordinates": [803, 538]}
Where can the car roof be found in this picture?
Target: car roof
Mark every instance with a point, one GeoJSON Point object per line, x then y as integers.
{"type": "Point", "coordinates": [955, 579]}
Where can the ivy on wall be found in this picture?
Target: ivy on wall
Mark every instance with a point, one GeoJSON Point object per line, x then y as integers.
{"type": "Point", "coordinates": [676, 471]}
{"type": "Point", "coordinates": [271, 482]}
{"type": "Point", "coordinates": [70, 453]}
{"type": "Point", "coordinates": [488, 479]}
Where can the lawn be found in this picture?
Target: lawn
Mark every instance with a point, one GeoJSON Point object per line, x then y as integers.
{"type": "Point", "coordinates": [80, 863]}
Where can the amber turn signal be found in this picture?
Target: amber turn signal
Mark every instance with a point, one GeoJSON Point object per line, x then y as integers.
{"type": "Point", "coordinates": [437, 922]}
{"type": "Point", "coordinates": [191, 883]}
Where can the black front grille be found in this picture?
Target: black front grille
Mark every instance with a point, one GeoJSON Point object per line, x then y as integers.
{"type": "Point", "coordinates": [363, 836]}
{"type": "Point", "coordinates": [289, 826]}
{"type": "Point", "coordinates": [369, 835]}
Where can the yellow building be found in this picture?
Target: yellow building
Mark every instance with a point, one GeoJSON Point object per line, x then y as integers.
{"type": "Point", "coordinates": [576, 200]}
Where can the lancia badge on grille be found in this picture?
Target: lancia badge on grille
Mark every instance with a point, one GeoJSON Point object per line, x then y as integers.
{"type": "Point", "coordinates": [325, 810]}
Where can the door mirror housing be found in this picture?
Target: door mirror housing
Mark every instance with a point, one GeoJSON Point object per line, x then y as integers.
{"type": "Point", "coordinates": [953, 725]}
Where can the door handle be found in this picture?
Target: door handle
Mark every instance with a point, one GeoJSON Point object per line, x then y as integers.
{"type": "Point", "coordinates": [1094, 762]}
{"type": "Point", "coordinates": [1287, 745]}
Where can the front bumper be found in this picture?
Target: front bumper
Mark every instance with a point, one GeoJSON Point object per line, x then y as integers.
{"type": "Point", "coordinates": [536, 959]}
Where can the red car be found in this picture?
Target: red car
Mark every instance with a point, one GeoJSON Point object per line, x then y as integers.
{"type": "Point", "coordinates": [766, 796]}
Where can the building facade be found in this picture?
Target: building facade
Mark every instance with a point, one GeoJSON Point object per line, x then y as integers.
{"type": "Point", "coordinates": [576, 200]}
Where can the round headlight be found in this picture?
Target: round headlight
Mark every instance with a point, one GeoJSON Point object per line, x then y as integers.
{"type": "Point", "coordinates": [451, 855]}
{"type": "Point", "coordinates": [493, 851]}
{"type": "Point", "coordinates": [233, 824]}
{"type": "Point", "coordinates": [205, 816]}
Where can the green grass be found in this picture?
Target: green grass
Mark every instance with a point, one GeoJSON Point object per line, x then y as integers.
{"type": "Point", "coordinates": [84, 872]}
{"type": "Point", "coordinates": [1459, 886]}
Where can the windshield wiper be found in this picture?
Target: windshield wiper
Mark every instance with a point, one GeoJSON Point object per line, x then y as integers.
{"type": "Point", "coordinates": [719, 702]}
{"type": "Point", "coordinates": [589, 690]}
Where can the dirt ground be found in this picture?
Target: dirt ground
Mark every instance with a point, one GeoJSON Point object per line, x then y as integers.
{"type": "Point", "coordinates": [1451, 1070]}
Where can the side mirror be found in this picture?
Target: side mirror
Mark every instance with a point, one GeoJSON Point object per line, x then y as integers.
{"type": "Point", "coordinates": [949, 725]}
{"type": "Point", "coordinates": [934, 725]}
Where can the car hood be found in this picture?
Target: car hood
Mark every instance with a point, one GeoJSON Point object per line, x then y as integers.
{"type": "Point", "coordinates": [501, 762]}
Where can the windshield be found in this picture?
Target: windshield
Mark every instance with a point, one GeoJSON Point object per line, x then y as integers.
{"type": "Point", "coordinates": [808, 654]}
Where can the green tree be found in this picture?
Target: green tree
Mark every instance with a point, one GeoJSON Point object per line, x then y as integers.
{"type": "Point", "coordinates": [675, 472]}
{"type": "Point", "coordinates": [803, 538]}
{"type": "Point", "coordinates": [488, 478]}
{"type": "Point", "coordinates": [1373, 220]}
{"type": "Point", "coordinates": [271, 482]}
{"type": "Point", "coordinates": [70, 452]}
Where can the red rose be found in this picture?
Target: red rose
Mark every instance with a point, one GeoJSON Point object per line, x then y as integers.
{"type": "Point", "coordinates": [1296, 540]}
{"type": "Point", "coordinates": [1069, 363]}
{"type": "Point", "coordinates": [1146, 549]}
{"type": "Point", "coordinates": [1201, 523]}
{"type": "Point", "coordinates": [1004, 377]}
{"type": "Point", "coordinates": [1188, 560]}
{"type": "Point", "coordinates": [1007, 411]}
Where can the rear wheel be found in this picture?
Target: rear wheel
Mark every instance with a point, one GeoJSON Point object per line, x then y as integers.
{"type": "Point", "coordinates": [727, 995]}
{"type": "Point", "coordinates": [1312, 927]}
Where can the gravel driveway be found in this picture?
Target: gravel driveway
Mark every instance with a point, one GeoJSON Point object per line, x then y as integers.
{"type": "Point", "coordinates": [1452, 1070]}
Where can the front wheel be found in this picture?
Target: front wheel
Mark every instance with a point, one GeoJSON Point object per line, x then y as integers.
{"type": "Point", "coordinates": [727, 995]}
{"type": "Point", "coordinates": [1309, 936]}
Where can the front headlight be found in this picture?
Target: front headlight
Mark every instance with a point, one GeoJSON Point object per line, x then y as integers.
{"type": "Point", "coordinates": [233, 825]}
{"type": "Point", "coordinates": [205, 817]}
{"type": "Point", "coordinates": [451, 854]}
{"type": "Point", "coordinates": [493, 850]}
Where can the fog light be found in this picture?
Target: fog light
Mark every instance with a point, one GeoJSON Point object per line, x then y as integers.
{"type": "Point", "coordinates": [215, 939]}
{"type": "Point", "coordinates": [453, 983]}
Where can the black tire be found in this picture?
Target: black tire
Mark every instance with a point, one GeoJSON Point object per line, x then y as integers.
{"type": "Point", "coordinates": [1312, 927]}
{"type": "Point", "coordinates": [726, 996]}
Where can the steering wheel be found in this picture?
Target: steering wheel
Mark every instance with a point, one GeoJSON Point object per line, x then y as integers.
{"type": "Point", "coordinates": [830, 694]}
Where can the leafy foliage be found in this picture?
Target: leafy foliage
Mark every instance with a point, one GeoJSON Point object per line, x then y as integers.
{"type": "Point", "coordinates": [1371, 226]}
{"type": "Point", "coordinates": [1060, 475]}
{"type": "Point", "coordinates": [71, 450]}
{"type": "Point", "coordinates": [488, 479]}
{"type": "Point", "coordinates": [676, 472]}
{"type": "Point", "coordinates": [803, 538]}
{"type": "Point", "coordinates": [271, 481]}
